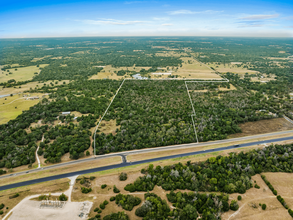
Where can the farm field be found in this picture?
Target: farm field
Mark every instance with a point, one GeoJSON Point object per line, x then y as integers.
{"type": "Point", "coordinates": [283, 183]}
{"type": "Point", "coordinates": [12, 106]}
{"type": "Point", "coordinates": [233, 68]}
{"type": "Point", "coordinates": [28, 86]}
{"type": "Point", "coordinates": [191, 68]}
{"type": "Point", "coordinates": [21, 74]}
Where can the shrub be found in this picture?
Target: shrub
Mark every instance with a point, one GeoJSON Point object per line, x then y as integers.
{"type": "Point", "coordinates": [106, 202]}
{"type": "Point", "coordinates": [100, 211]}
{"type": "Point", "coordinates": [86, 190]}
{"type": "Point", "coordinates": [127, 201]}
{"type": "Point", "coordinates": [82, 181]}
{"type": "Point", "coordinates": [275, 192]}
{"type": "Point", "coordinates": [102, 206]}
{"type": "Point", "coordinates": [1, 212]}
{"type": "Point", "coordinates": [42, 197]}
{"type": "Point", "coordinates": [123, 176]}
{"type": "Point", "coordinates": [112, 198]}
{"type": "Point", "coordinates": [14, 196]}
{"type": "Point", "coordinates": [256, 186]}
{"type": "Point", "coordinates": [264, 206]}
{"type": "Point", "coordinates": [2, 206]}
{"type": "Point", "coordinates": [116, 190]}
{"type": "Point", "coordinates": [130, 187]}
{"type": "Point", "coordinates": [63, 197]}
{"type": "Point", "coordinates": [2, 172]}
{"type": "Point", "coordinates": [96, 209]}
{"type": "Point", "coordinates": [234, 205]}
{"type": "Point", "coordinates": [92, 177]}
{"type": "Point", "coordinates": [290, 212]}
{"type": "Point", "coordinates": [239, 198]}
{"type": "Point", "coordinates": [97, 216]}
{"type": "Point", "coordinates": [104, 186]}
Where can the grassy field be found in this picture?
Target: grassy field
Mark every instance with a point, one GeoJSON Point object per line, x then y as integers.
{"type": "Point", "coordinates": [27, 86]}
{"type": "Point", "coordinates": [249, 205]}
{"type": "Point", "coordinates": [191, 68]}
{"type": "Point", "coordinates": [231, 68]}
{"type": "Point", "coordinates": [12, 106]}
{"type": "Point", "coordinates": [40, 58]}
{"type": "Point", "coordinates": [21, 74]}
{"type": "Point", "coordinates": [283, 183]}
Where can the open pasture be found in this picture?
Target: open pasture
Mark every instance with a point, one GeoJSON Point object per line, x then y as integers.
{"type": "Point", "coordinates": [21, 74]}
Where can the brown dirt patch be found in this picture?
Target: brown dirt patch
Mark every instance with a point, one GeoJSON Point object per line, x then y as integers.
{"type": "Point", "coordinates": [253, 197]}
{"type": "Point", "coordinates": [108, 127]}
{"type": "Point", "coordinates": [263, 126]}
{"type": "Point", "coordinates": [283, 183]}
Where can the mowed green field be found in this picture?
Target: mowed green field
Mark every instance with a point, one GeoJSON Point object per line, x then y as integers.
{"type": "Point", "coordinates": [21, 74]}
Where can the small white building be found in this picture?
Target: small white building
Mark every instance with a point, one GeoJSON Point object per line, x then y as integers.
{"type": "Point", "coordinates": [65, 113]}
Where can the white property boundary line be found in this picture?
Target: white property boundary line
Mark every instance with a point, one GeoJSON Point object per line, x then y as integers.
{"type": "Point", "coordinates": [103, 117]}
{"type": "Point", "coordinates": [193, 80]}
{"type": "Point", "coordinates": [226, 80]}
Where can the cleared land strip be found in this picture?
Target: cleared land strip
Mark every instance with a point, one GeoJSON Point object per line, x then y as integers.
{"type": "Point", "coordinates": [125, 164]}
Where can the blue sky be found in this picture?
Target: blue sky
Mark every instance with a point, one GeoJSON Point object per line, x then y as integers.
{"type": "Point", "coordinates": [267, 18]}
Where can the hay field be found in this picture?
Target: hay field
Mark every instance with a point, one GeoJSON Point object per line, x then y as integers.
{"type": "Point", "coordinates": [40, 58]}
{"type": "Point", "coordinates": [231, 68]}
{"type": "Point", "coordinates": [283, 183]}
{"type": "Point", "coordinates": [27, 86]}
{"type": "Point", "coordinates": [14, 105]}
{"type": "Point", "coordinates": [21, 74]}
{"type": "Point", "coordinates": [191, 68]}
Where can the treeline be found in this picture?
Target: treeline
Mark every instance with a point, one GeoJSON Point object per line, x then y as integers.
{"type": "Point", "coordinates": [229, 174]}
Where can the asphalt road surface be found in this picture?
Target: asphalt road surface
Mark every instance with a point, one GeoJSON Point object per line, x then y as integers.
{"type": "Point", "coordinates": [125, 163]}
{"type": "Point", "coordinates": [149, 150]}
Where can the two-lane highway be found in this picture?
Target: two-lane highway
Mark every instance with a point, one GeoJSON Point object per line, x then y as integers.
{"type": "Point", "coordinates": [125, 163]}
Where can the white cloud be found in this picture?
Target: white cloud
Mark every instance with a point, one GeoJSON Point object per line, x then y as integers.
{"type": "Point", "coordinates": [161, 18]}
{"type": "Point", "coordinates": [259, 17]}
{"type": "Point", "coordinates": [188, 12]}
{"type": "Point", "coordinates": [288, 18]}
{"type": "Point", "coordinates": [110, 22]}
{"type": "Point", "coordinates": [169, 24]}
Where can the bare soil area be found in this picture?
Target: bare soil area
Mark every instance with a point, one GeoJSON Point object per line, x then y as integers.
{"type": "Point", "coordinates": [249, 205]}
{"type": "Point", "coordinates": [263, 126]}
{"type": "Point", "coordinates": [283, 183]}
